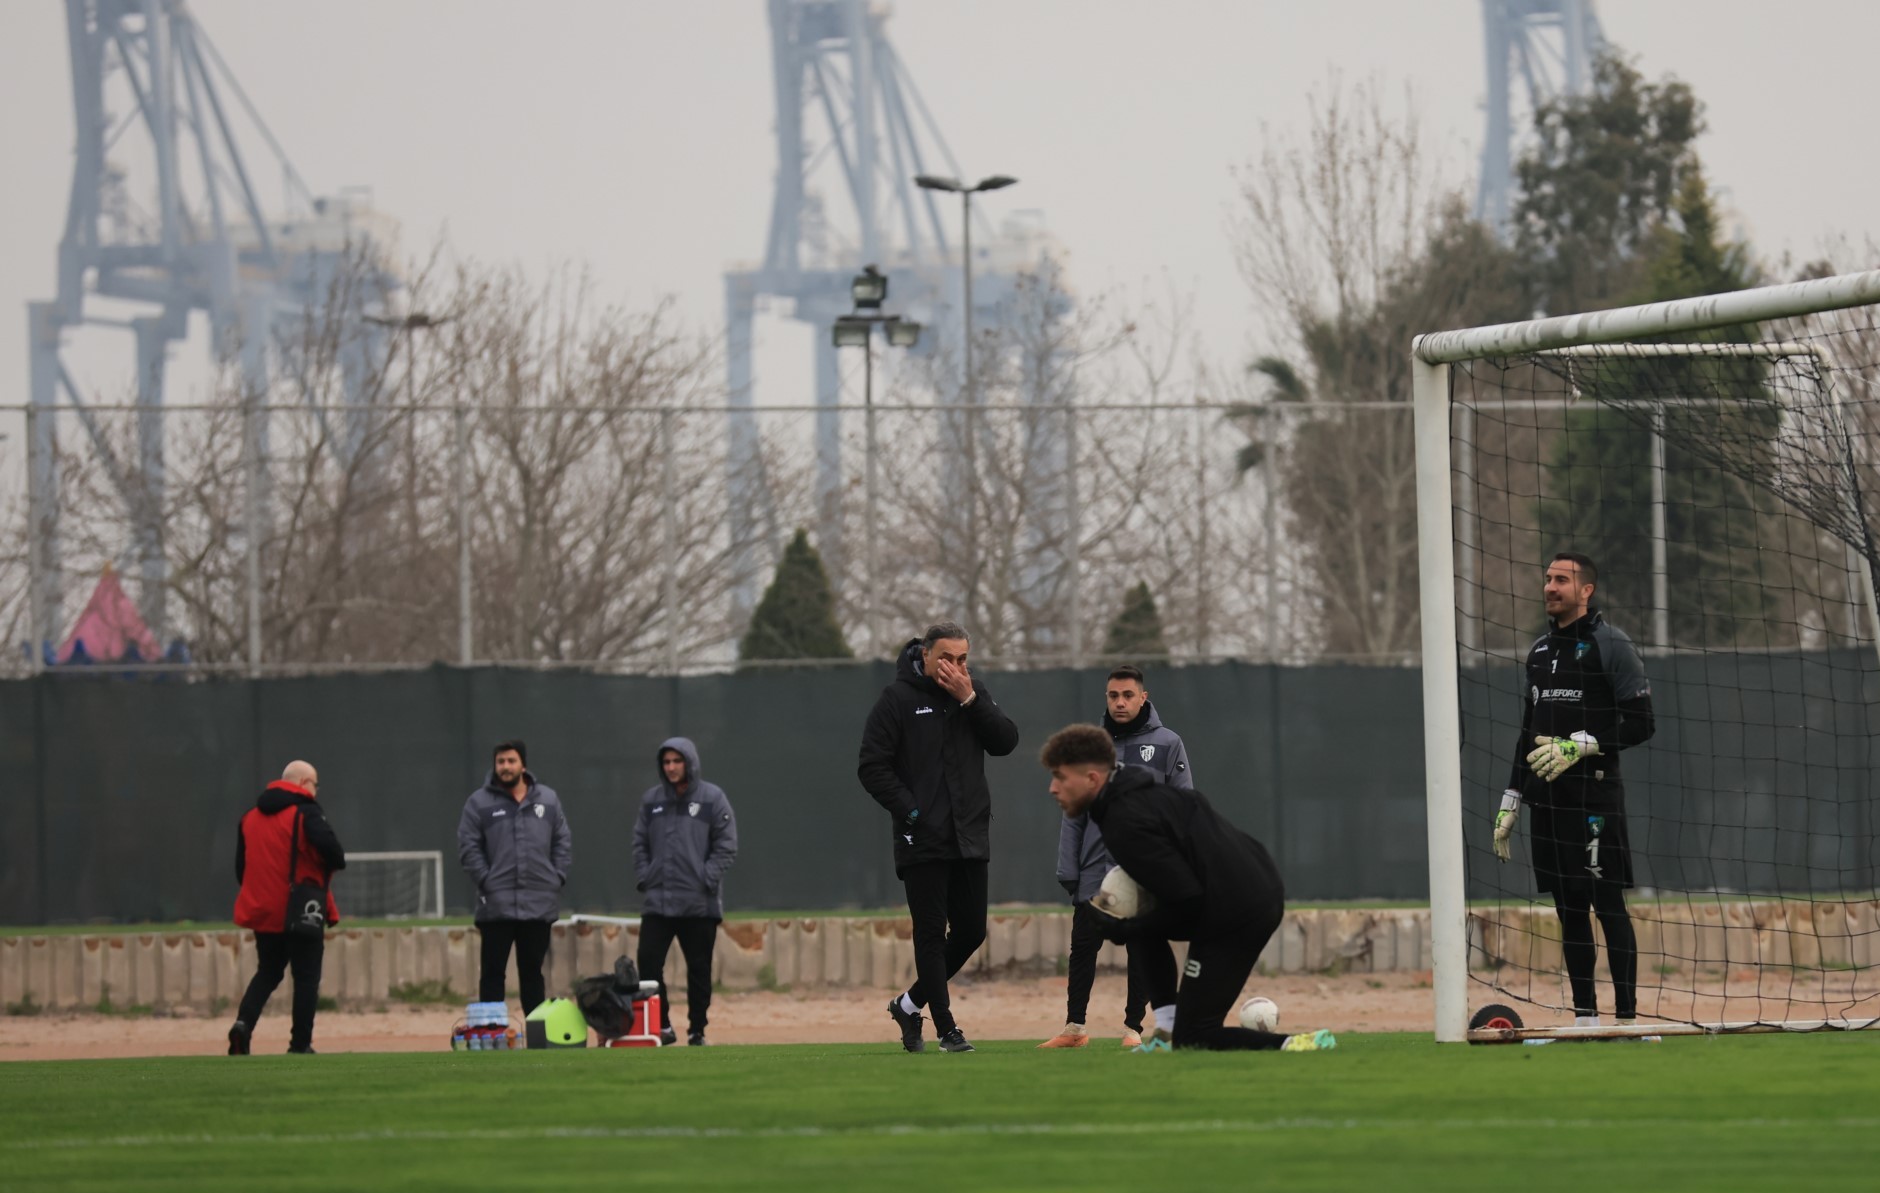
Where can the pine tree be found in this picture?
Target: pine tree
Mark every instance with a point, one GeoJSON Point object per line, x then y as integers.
{"type": "Point", "coordinates": [1137, 630]}
{"type": "Point", "coordinates": [796, 619]}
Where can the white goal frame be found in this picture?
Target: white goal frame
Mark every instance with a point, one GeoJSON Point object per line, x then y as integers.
{"type": "Point", "coordinates": [1431, 356]}
{"type": "Point", "coordinates": [413, 855]}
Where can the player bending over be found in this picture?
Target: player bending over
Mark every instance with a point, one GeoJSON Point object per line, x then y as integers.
{"type": "Point", "coordinates": [1214, 887]}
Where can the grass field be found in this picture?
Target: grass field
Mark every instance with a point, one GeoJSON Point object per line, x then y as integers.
{"type": "Point", "coordinates": [1382, 1112]}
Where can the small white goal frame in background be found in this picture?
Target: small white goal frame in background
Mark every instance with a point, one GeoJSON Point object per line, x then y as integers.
{"type": "Point", "coordinates": [430, 887]}
{"type": "Point", "coordinates": [1431, 357]}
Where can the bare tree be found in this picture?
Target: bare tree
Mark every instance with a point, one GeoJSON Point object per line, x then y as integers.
{"type": "Point", "coordinates": [1351, 245]}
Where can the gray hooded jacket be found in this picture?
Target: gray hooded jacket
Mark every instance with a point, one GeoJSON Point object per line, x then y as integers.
{"type": "Point", "coordinates": [517, 854]}
{"type": "Point", "coordinates": [1083, 859]}
{"type": "Point", "coordinates": [684, 843]}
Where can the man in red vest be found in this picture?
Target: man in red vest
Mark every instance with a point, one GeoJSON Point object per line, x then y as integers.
{"type": "Point", "coordinates": [283, 839]}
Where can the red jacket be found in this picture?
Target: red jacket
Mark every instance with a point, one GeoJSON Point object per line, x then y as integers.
{"type": "Point", "coordinates": [261, 856]}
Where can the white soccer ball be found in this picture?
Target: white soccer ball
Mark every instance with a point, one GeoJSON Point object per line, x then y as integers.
{"type": "Point", "coordinates": [1121, 897]}
{"type": "Point", "coordinates": [1259, 1014]}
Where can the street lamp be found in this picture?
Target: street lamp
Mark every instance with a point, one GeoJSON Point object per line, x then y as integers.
{"type": "Point", "coordinates": [856, 330]}
{"type": "Point", "coordinates": [937, 182]}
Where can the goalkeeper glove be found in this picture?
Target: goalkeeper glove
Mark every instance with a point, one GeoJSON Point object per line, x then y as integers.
{"type": "Point", "coordinates": [1553, 755]}
{"type": "Point", "coordinates": [1505, 821]}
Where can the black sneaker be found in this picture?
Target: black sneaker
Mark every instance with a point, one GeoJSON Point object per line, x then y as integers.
{"type": "Point", "coordinates": [955, 1041]}
{"type": "Point", "coordinates": [307, 1051]}
{"type": "Point", "coordinates": [668, 1037]}
{"type": "Point", "coordinates": [696, 1039]}
{"type": "Point", "coordinates": [238, 1037]}
{"type": "Point", "coordinates": [910, 1022]}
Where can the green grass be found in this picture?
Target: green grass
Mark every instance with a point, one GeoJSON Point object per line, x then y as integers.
{"type": "Point", "coordinates": [1382, 1112]}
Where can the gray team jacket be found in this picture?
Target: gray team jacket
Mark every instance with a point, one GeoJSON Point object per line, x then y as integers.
{"type": "Point", "coordinates": [1083, 859]}
{"type": "Point", "coordinates": [683, 844]}
{"type": "Point", "coordinates": [517, 854]}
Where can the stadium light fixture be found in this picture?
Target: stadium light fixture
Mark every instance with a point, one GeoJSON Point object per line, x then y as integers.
{"type": "Point", "coordinates": [851, 331]}
{"type": "Point", "coordinates": [903, 333]}
{"type": "Point", "coordinates": [869, 289]}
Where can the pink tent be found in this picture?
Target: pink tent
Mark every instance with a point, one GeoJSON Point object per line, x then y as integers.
{"type": "Point", "coordinates": [110, 626]}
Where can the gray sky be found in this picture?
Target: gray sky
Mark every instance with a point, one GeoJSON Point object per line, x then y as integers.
{"type": "Point", "coordinates": [634, 138]}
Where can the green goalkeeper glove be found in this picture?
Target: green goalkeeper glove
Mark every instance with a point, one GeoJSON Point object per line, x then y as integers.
{"type": "Point", "coordinates": [1553, 755]}
{"type": "Point", "coordinates": [1505, 821]}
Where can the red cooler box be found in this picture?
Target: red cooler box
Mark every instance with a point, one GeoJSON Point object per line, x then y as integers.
{"type": "Point", "coordinates": [643, 1028]}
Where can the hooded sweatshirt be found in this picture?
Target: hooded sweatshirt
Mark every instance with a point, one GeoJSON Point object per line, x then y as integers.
{"type": "Point", "coordinates": [518, 854]}
{"type": "Point", "coordinates": [684, 841]}
{"type": "Point", "coordinates": [1146, 742]}
{"type": "Point", "coordinates": [266, 863]}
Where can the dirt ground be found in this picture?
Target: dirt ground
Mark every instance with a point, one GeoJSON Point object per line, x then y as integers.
{"type": "Point", "coordinates": [1004, 1008]}
{"type": "Point", "coordinates": [1001, 1009]}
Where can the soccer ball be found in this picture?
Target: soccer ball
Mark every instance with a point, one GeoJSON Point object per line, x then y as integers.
{"type": "Point", "coordinates": [1121, 897]}
{"type": "Point", "coordinates": [1259, 1014]}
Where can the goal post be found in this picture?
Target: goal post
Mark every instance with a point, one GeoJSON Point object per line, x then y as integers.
{"type": "Point", "coordinates": [1770, 460]}
{"type": "Point", "coordinates": [391, 885]}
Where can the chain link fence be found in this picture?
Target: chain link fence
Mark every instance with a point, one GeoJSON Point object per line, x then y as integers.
{"type": "Point", "coordinates": [635, 538]}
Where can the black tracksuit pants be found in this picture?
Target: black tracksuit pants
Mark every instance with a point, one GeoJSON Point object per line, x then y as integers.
{"type": "Point", "coordinates": [277, 952]}
{"type": "Point", "coordinates": [697, 937]}
{"type": "Point", "coordinates": [1145, 956]}
{"type": "Point", "coordinates": [1212, 978]}
{"type": "Point", "coordinates": [530, 939]}
{"type": "Point", "coordinates": [947, 901]}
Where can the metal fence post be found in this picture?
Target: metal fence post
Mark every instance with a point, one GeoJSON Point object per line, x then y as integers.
{"type": "Point", "coordinates": [1202, 643]}
{"type": "Point", "coordinates": [1074, 549]}
{"type": "Point", "coordinates": [873, 561]}
{"type": "Point", "coordinates": [252, 496]}
{"type": "Point", "coordinates": [669, 494]}
{"type": "Point", "coordinates": [1269, 458]}
{"type": "Point", "coordinates": [36, 613]}
{"type": "Point", "coordinates": [466, 627]}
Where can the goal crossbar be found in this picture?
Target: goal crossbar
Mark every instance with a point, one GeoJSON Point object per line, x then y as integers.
{"type": "Point", "coordinates": [1651, 319]}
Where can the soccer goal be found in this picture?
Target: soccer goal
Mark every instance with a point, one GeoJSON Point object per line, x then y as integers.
{"type": "Point", "coordinates": [1718, 460]}
{"type": "Point", "coordinates": [402, 884]}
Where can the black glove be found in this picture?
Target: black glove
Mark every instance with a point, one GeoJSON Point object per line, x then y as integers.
{"type": "Point", "coordinates": [1119, 931]}
{"type": "Point", "coordinates": [1070, 886]}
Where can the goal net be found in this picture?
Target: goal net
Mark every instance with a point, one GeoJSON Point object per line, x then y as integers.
{"type": "Point", "coordinates": [1718, 462]}
{"type": "Point", "coordinates": [405, 884]}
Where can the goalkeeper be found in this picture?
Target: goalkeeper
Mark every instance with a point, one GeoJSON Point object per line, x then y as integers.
{"type": "Point", "coordinates": [1587, 699]}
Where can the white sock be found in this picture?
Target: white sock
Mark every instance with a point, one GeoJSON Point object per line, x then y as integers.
{"type": "Point", "coordinates": [907, 1005]}
{"type": "Point", "coordinates": [1586, 1021]}
{"type": "Point", "coordinates": [1165, 1018]}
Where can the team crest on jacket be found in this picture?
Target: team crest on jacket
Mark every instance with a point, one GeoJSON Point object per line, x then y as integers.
{"type": "Point", "coordinates": [691, 810]}
{"type": "Point", "coordinates": [539, 810]}
{"type": "Point", "coordinates": [1147, 752]}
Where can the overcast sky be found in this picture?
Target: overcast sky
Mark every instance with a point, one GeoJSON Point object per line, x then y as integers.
{"type": "Point", "coordinates": [634, 138]}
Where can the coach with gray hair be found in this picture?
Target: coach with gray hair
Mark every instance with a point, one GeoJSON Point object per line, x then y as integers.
{"type": "Point", "coordinates": [924, 760]}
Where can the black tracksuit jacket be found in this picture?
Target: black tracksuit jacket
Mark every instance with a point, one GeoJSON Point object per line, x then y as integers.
{"type": "Point", "coordinates": [922, 749]}
{"type": "Point", "coordinates": [1210, 879]}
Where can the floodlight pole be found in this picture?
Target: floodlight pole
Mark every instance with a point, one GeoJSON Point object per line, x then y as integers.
{"type": "Point", "coordinates": [969, 388]}
{"type": "Point", "coordinates": [868, 291]}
